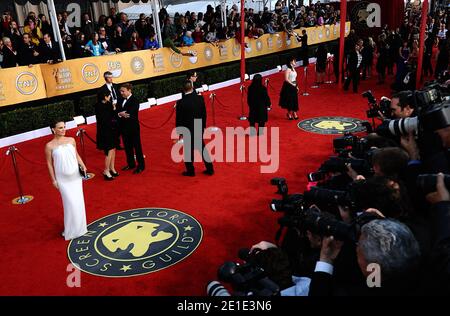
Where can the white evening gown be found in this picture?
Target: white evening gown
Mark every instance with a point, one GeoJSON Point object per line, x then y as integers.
{"type": "Point", "coordinates": [70, 186]}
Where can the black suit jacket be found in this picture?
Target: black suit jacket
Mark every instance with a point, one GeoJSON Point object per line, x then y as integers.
{"type": "Point", "coordinates": [131, 106]}
{"type": "Point", "coordinates": [47, 53]}
{"type": "Point", "coordinates": [104, 89]}
{"type": "Point", "coordinates": [9, 58]}
{"type": "Point", "coordinates": [189, 108]}
{"type": "Point", "coordinates": [26, 55]}
{"type": "Point", "coordinates": [352, 64]}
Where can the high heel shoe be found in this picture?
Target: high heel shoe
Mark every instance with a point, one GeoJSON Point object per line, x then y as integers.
{"type": "Point", "coordinates": [108, 178]}
{"type": "Point", "coordinates": [295, 116]}
{"type": "Point", "coordinates": [114, 174]}
{"type": "Point", "coordinates": [289, 117]}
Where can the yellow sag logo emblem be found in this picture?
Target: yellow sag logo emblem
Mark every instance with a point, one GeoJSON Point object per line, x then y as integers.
{"type": "Point", "coordinates": [26, 83]}
{"type": "Point", "coordinates": [136, 242]}
{"type": "Point", "coordinates": [332, 125]}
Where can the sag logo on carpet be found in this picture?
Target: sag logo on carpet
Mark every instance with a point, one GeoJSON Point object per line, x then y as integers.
{"type": "Point", "coordinates": [332, 125]}
{"type": "Point", "coordinates": [136, 242]}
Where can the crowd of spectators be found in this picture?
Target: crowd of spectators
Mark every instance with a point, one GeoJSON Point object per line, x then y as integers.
{"type": "Point", "coordinates": [35, 42]}
{"type": "Point", "coordinates": [396, 51]}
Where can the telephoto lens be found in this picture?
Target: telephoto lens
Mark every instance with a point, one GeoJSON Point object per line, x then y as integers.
{"type": "Point", "coordinates": [427, 182]}
{"type": "Point", "coordinates": [214, 288]}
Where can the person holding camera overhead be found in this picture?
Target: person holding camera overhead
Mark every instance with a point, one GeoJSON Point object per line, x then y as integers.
{"type": "Point", "coordinates": [64, 166]}
{"type": "Point", "coordinates": [289, 91]}
{"type": "Point", "coordinates": [258, 101]}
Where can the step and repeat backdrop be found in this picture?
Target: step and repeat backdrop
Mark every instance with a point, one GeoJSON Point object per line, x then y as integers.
{"type": "Point", "coordinates": [23, 84]}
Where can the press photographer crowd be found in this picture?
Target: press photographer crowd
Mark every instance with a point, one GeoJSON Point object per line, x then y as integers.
{"type": "Point", "coordinates": [376, 217]}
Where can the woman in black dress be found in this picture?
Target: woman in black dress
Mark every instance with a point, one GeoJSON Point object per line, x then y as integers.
{"type": "Point", "coordinates": [321, 63]}
{"type": "Point", "coordinates": [289, 91]}
{"type": "Point", "coordinates": [106, 133]}
{"type": "Point", "coordinates": [258, 101]}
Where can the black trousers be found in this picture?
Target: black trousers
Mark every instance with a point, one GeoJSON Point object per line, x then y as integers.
{"type": "Point", "coordinates": [189, 155]}
{"type": "Point", "coordinates": [352, 76]}
{"type": "Point", "coordinates": [427, 66]}
{"type": "Point", "coordinates": [132, 142]}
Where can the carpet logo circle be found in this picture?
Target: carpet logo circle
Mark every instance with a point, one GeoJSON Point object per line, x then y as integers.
{"type": "Point", "coordinates": [136, 242]}
{"type": "Point", "coordinates": [329, 125]}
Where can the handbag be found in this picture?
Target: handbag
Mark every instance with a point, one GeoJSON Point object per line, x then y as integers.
{"type": "Point", "coordinates": [82, 172]}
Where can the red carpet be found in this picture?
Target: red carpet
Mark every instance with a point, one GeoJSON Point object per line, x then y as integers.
{"type": "Point", "coordinates": [232, 206]}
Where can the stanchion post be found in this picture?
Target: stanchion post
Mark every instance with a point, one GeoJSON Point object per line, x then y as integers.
{"type": "Point", "coordinates": [80, 135]}
{"type": "Point", "coordinates": [214, 128]}
{"type": "Point", "coordinates": [306, 81]}
{"type": "Point", "coordinates": [329, 71]}
{"type": "Point", "coordinates": [22, 199]}
{"type": "Point", "coordinates": [242, 117]}
{"type": "Point", "coordinates": [267, 82]}
{"type": "Point", "coordinates": [316, 84]}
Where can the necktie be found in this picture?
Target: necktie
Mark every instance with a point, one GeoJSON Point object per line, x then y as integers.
{"type": "Point", "coordinates": [113, 92]}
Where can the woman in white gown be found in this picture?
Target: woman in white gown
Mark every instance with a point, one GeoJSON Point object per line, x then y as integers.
{"type": "Point", "coordinates": [63, 164]}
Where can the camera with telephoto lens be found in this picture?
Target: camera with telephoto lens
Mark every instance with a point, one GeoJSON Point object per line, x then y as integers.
{"type": "Point", "coordinates": [351, 144]}
{"type": "Point", "coordinates": [326, 224]}
{"type": "Point", "coordinates": [246, 279]}
{"type": "Point", "coordinates": [427, 182]}
{"type": "Point", "coordinates": [432, 114]}
{"type": "Point", "coordinates": [333, 165]}
{"type": "Point", "coordinates": [384, 107]}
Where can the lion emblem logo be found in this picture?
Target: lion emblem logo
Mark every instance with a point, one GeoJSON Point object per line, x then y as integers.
{"type": "Point", "coordinates": [135, 242]}
{"type": "Point", "coordinates": [332, 125]}
{"type": "Point", "coordinates": [340, 126]}
{"type": "Point", "coordinates": [139, 234]}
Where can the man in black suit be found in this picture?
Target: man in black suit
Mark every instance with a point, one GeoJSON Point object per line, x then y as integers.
{"type": "Point", "coordinates": [28, 53]}
{"type": "Point", "coordinates": [354, 65]}
{"type": "Point", "coordinates": [128, 112]}
{"type": "Point", "coordinates": [49, 50]}
{"type": "Point", "coordinates": [304, 49]}
{"type": "Point", "coordinates": [110, 87]}
{"type": "Point", "coordinates": [191, 123]}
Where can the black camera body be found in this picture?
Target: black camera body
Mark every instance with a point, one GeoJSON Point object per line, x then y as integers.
{"type": "Point", "coordinates": [383, 107]}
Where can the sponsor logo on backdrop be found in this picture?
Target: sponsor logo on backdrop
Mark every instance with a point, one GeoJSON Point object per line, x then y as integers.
{"type": "Point", "coordinates": [26, 83]}
{"type": "Point", "coordinates": [269, 43]}
{"type": "Point", "coordinates": [90, 73]}
{"type": "Point", "coordinates": [2, 92]}
{"type": "Point", "coordinates": [158, 62]}
{"type": "Point", "coordinates": [137, 65]}
{"type": "Point", "coordinates": [259, 45]}
{"type": "Point", "coordinates": [223, 51]}
{"type": "Point", "coordinates": [208, 53]}
{"type": "Point", "coordinates": [63, 77]}
{"type": "Point", "coordinates": [176, 60]}
{"type": "Point", "coordinates": [332, 125]}
{"type": "Point", "coordinates": [136, 242]}
{"type": "Point", "coordinates": [236, 49]}
{"type": "Point", "coordinates": [115, 67]}
{"type": "Point", "coordinates": [193, 59]}
{"type": "Point", "coordinates": [279, 42]}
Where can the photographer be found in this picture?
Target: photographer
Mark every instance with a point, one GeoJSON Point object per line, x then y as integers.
{"type": "Point", "coordinates": [440, 221]}
{"type": "Point", "coordinates": [402, 105]}
{"type": "Point", "coordinates": [386, 243]}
